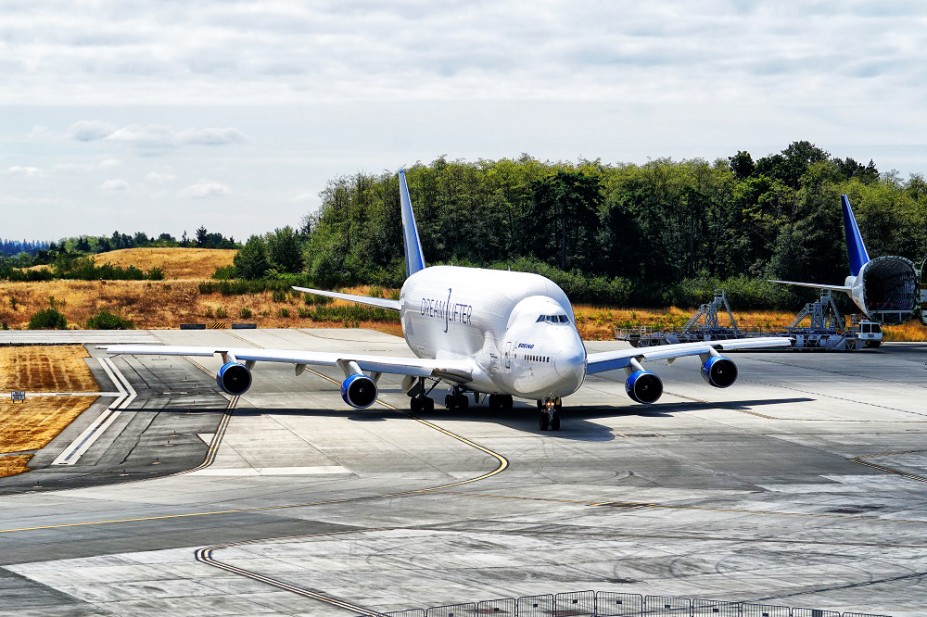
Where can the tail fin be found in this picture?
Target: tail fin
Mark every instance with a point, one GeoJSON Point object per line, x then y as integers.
{"type": "Point", "coordinates": [415, 260]}
{"type": "Point", "coordinates": [856, 249]}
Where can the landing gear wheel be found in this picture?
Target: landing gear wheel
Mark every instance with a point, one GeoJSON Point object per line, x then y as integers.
{"type": "Point", "coordinates": [422, 403]}
{"type": "Point", "coordinates": [456, 402]}
{"type": "Point", "coordinates": [550, 414]}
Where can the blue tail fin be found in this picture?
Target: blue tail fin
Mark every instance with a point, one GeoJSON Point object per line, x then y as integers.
{"type": "Point", "coordinates": [856, 249]}
{"type": "Point", "coordinates": [415, 260]}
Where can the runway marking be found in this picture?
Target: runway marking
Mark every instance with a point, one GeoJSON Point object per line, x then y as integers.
{"type": "Point", "coordinates": [72, 453]}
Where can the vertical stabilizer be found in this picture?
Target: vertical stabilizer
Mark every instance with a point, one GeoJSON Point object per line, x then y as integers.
{"type": "Point", "coordinates": [415, 260]}
{"type": "Point", "coordinates": [856, 249]}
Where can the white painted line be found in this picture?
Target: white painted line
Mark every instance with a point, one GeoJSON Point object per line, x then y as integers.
{"type": "Point", "coordinates": [322, 470]}
{"type": "Point", "coordinates": [88, 437]}
{"type": "Point", "coordinates": [103, 394]}
{"type": "Point", "coordinates": [123, 385]}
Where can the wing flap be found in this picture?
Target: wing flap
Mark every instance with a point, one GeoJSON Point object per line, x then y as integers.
{"type": "Point", "coordinates": [621, 358]}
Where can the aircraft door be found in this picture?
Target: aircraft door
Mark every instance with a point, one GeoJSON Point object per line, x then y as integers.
{"type": "Point", "coordinates": [508, 354]}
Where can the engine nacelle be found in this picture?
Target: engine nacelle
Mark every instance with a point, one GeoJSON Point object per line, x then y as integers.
{"type": "Point", "coordinates": [359, 391]}
{"type": "Point", "coordinates": [644, 387]}
{"type": "Point", "coordinates": [234, 378]}
{"type": "Point", "coordinates": [719, 371]}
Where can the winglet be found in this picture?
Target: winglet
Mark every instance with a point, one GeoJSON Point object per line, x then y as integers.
{"type": "Point", "coordinates": [856, 249]}
{"type": "Point", "coordinates": [415, 259]}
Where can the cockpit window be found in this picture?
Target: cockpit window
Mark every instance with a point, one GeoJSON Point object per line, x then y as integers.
{"type": "Point", "coordinates": [553, 319]}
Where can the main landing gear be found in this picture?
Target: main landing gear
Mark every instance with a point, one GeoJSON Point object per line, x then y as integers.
{"type": "Point", "coordinates": [456, 400]}
{"type": "Point", "coordinates": [420, 401]}
{"type": "Point", "coordinates": [500, 401]}
{"type": "Point", "coordinates": [550, 414]}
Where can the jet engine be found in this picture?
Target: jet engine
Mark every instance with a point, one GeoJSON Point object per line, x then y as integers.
{"type": "Point", "coordinates": [644, 386]}
{"type": "Point", "coordinates": [359, 391]}
{"type": "Point", "coordinates": [234, 378]}
{"type": "Point", "coordinates": [719, 371]}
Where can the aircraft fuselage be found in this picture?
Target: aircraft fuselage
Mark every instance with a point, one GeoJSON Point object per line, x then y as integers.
{"type": "Point", "coordinates": [519, 328]}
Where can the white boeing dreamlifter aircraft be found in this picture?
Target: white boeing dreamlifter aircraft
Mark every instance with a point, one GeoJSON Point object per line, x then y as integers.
{"type": "Point", "coordinates": [486, 332]}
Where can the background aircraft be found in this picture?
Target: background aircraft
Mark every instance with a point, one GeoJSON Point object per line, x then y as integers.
{"type": "Point", "coordinates": [884, 288]}
{"type": "Point", "coordinates": [490, 333]}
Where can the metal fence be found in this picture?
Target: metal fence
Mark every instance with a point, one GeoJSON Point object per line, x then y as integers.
{"type": "Point", "coordinates": [614, 604]}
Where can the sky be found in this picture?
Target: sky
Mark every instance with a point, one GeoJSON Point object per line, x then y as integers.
{"type": "Point", "coordinates": [162, 116]}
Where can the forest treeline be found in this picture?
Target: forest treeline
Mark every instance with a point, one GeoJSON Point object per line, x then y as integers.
{"type": "Point", "coordinates": [665, 232]}
{"type": "Point", "coordinates": [661, 233]}
{"type": "Point", "coordinates": [23, 254]}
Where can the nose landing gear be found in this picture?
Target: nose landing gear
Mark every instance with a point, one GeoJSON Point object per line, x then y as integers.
{"type": "Point", "coordinates": [550, 414]}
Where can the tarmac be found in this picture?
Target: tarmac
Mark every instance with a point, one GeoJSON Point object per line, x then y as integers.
{"type": "Point", "coordinates": [803, 485]}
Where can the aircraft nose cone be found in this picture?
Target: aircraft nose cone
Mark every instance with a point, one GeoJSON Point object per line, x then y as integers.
{"type": "Point", "coordinates": [570, 363]}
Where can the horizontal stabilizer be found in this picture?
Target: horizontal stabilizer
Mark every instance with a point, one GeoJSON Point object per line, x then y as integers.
{"type": "Point", "coordinates": [393, 305]}
{"type": "Point", "coordinates": [842, 288]}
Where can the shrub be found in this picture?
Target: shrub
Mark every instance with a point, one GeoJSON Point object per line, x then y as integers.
{"type": "Point", "coordinates": [245, 312]}
{"type": "Point", "coordinates": [221, 313]}
{"type": "Point", "coordinates": [48, 319]}
{"type": "Point", "coordinates": [285, 312]}
{"type": "Point", "coordinates": [105, 320]}
{"type": "Point", "coordinates": [224, 273]}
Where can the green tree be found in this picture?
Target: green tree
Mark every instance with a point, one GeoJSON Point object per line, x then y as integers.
{"type": "Point", "coordinates": [284, 249]}
{"type": "Point", "coordinates": [251, 260]}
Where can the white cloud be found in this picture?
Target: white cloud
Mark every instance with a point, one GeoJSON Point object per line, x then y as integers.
{"type": "Point", "coordinates": [206, 188]}
{"type": "Point", "coordinates": [114, 186]}
{"type": "Point", "coordinates": [40, 131]}
{"type": "Point", "coordinates": [154, 136]}
{"type": "Point", "coordinates": [88, 130]}
{"type": "Point", "coordinates": [160, 178]}
{"type": "Point", "coordinates": [83, 168]}
{"type": "Point", "coordinates": [25, 171]}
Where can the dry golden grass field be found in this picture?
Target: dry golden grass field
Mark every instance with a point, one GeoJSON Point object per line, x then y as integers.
{"type": "Point", "coordinates": [166, 304]}
{"type": "Point", "coordinates": [176, 263]}
{"type": "Point", "coordinates": [33, 424]}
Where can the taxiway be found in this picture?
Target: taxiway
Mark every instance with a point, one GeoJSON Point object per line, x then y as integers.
{"type": "Point", "coordinates": [804, 484]}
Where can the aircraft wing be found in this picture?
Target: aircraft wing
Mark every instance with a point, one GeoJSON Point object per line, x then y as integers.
{"type": "Point", "coordinates": [378, 302]}
{"type": "Point", "coordinates": [621, 358]}
{"type": "Point", "coordinates": [452, 370]}
{"type": "Point", "coordinates": [842, 288]}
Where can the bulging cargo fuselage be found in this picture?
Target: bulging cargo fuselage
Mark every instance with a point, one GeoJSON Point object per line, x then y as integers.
{"type": "Point", "coordinates": [518, 328]}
